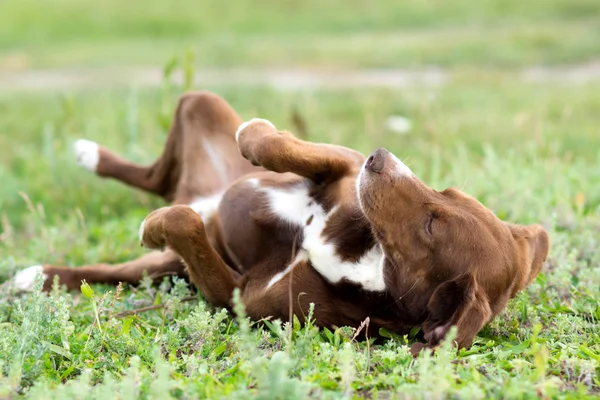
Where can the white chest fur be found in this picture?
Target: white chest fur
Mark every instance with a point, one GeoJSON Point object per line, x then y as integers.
{"type": "Point", "coordinates": [207, 206]}
{"type": "Point", "coordinates": [294, 206]}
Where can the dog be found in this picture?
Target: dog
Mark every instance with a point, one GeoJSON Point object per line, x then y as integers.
{"type": "Point", "coordinates": [292, 223]}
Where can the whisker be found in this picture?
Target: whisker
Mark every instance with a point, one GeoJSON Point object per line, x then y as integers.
{"type": "Point", "coordinates": [464, 184]}
{"type": "Point", "coordinates": [405, 294]}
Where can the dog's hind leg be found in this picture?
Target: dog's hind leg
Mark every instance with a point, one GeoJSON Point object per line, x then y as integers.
{"type": "Point", "coordinates": [182, 230]}
{"type": "Point", "coordinates": [200, 157]}
{"type": "Point", "coordinates": [156, 264]}
{"type": "Point", "coordinates": [200, 160]}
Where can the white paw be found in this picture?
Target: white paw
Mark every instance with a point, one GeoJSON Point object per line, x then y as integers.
{"type": "Point", "coordinates": [88, 154]}
{"type": "Point", "coordinates": [245, 124]}
{"type": "Point", "coordinates": [141, 233]}
{"type": "Point", "coordinates": [24, 279]}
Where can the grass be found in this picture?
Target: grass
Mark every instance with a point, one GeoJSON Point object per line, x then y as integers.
{"type": "Point", "coordinates": [530, 152]}
{"type": "Point", "coordinates": [383, 34]}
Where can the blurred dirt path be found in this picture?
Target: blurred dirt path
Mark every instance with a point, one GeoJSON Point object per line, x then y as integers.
{"type": "Point", "coordinates": [70, 79]}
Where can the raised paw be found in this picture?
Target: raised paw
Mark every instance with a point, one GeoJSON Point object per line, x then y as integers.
{"type": "Point", "coordinates": [150, 231]}
{"type": "Point", "coordinates": [87, 153]}
{"type": "Point", "coordinates": [164, 225]}
{"type": "Point", "coordinates": [253, 121]}
{"type": "Point", "coordinates": [261, 143]}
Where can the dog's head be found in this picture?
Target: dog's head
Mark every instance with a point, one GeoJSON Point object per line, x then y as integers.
{"type": "Point", "coordinates": [471, 261]}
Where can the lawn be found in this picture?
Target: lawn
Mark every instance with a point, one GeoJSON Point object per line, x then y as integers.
{"type": "Point", "coordinates": [530, 152]}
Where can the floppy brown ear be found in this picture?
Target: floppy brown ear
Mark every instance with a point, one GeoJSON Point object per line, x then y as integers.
{"type": "Point", "coordinates": [460, 303]}
{"type": "Point", "coordinates": [533, 243]}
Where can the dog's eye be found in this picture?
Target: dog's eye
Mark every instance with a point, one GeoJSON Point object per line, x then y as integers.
{"type": "Point", "coordinates": [428, 225]}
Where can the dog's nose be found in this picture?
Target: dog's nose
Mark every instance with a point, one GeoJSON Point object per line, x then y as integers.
{"type": "Point", "coordinates": [376, 161]}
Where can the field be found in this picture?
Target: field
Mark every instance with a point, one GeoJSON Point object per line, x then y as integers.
{"type": "Point", "coordinates": [528, 149]}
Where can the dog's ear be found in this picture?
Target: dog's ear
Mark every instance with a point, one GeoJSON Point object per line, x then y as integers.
{"type": "Point", "coordinates": [533, 243]}
{"type": "Point", "coordinates": [459, 303]}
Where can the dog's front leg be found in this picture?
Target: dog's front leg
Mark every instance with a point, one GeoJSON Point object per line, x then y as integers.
{"type": "Point", "coordinates": [182, 230]}
{"type": "Point", "coordinates": [279, 151]}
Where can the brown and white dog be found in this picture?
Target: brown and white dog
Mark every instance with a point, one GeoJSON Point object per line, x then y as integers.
{"type": "Point", "coordinates": [291, 223]}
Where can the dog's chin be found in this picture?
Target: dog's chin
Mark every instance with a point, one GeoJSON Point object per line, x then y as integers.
{"type": "Point", "coordinates": [369, 187]}
{"type": "Point", "coordinates": [362, 187]}
{"type": "Point", "coordinates": [366, 189]}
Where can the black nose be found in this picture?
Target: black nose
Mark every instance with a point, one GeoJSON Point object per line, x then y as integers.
{"type": "Point", "coordinates": [376, 161]}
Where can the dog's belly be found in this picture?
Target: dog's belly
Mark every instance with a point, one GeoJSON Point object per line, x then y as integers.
{"type": "Point", "coordinates": [250, 235]}
{"type": "Point", "coordinates": [275, 221]}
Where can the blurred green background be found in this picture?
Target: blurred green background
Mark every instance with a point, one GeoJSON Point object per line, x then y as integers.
{"type": "Point", "coordinates": [294, 33]}
{"type": "Point", "coordinates": [502, 99]}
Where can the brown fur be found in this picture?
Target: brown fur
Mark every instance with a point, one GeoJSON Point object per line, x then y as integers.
{"type": "Point", "coordinates": [448, 260]}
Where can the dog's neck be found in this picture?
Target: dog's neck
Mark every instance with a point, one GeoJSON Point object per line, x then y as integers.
{"type": "Point", "coordinates": [331, 230]}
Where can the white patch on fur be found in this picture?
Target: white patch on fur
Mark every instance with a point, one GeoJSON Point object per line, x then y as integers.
{"type": "Point", "coordinates": [300, 257]}
{"type": "Point", "coordinates": [245, 124]}
{"type": "Point", "coordinates": [240, 129]}
{"type": "Point", "coordinates": [255, 182]}
{"type": "Point", "coordinates": [24, 279]}
{"type": "Point", "coordinates": [216, 160]}
{"type": "Point", "coordinates": [292, 205]}
{"type": "Point", "coordinates": [401, 168]}
{"type": "Point", "coordinates": [141, 231]}
{"type": "Point", "coordinates": [358, 184]}
{"type": "Point", "coordinates": [87, 153]}
{"type": "Point", "coordinates": [296, 207]}
{"type": "Point", "coordinates": [206, 207]}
